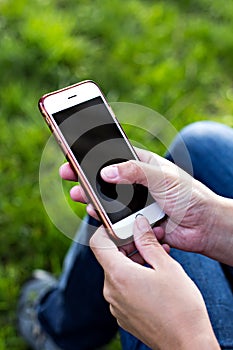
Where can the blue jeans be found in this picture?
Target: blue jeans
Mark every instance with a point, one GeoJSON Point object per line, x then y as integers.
{"type": "Point", "coordinates": [75, 313]}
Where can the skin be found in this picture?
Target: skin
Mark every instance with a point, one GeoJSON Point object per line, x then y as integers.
{"type": "Point", "coordinates": [147, 301]}
{"type": "Point", "coordinates": [159, 305]}
{"type": "Point", "coordinates": [198, 219]}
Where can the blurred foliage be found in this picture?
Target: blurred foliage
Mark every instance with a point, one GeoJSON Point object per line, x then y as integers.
{"type": "Point", "coordinates": [173, 56]}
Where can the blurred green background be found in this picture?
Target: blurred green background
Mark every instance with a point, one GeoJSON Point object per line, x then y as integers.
{"type": "Point", "coordinates": [174, 56]}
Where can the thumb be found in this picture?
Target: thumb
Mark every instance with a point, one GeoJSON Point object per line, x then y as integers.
{"type": "Point", "coordinates": [147, 243]}
{"type": "Point", "coordinates": [136, 172]}
{"type": "Point", "coordinates": [130, 172]}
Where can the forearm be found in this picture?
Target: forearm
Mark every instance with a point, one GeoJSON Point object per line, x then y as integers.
{"type": "Point", "coordinates": [220, 245]}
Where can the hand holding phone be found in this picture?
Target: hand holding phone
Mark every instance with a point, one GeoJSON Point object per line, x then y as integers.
{"type": "Point", "coordinates": [91, 138]}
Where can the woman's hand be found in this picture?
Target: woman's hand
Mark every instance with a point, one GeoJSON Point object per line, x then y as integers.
{"type": "Point", "coordinates": [159, 305]}
{"type": "Point", "coordinates": [198, 219]}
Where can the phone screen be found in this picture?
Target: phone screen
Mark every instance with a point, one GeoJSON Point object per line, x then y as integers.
{"type": "Point", "coordinates": [96, 141]}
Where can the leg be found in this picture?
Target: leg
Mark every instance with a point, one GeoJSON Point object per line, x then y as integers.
{"type": "Point", "coordinates": [74, 312]}
{"type": "Point", "coordinates": [83, 320]}
{"type": "Point", "coordinates": [210, 147]}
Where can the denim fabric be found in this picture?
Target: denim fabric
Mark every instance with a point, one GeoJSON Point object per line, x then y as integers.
{"type": "Point", "coordinates": [75, 313]}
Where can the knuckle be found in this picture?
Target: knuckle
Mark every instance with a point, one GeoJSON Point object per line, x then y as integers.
{"type": "Point", "coordinates": [117, 277]}
{"type": "Point", "coordinates": [107, 294]}
{"type": "Point", "coordinates": [149, 240]}
{"type": "Point", "coordinates": [151, 243]}
{"type": "Point", "coordinates": [135, 172]}
{"type": "Point", "coordinates": [113, 311]}
{"type": "Point", "coordinates": [113, 285]}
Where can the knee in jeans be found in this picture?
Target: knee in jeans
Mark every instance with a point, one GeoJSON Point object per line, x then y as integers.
{"type": "Point", "coordinates": [196, 133]}
{"type": "Point", "coordinates": [191, 142]}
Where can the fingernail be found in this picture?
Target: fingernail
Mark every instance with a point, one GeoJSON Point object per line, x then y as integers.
{"type": "Point", "coordinates": [142, 223]}
{"type": "Point", "coordinates": [110, 171]}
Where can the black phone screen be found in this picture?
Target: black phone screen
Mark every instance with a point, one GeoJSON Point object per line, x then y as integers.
{"type": "Point", "coordinates": [96, 141]}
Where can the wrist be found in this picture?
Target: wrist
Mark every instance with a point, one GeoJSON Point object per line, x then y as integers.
{"type": "Point", "coordinates": [200, 335]}
{"type": "Point", "coordinates": [193, 333]}
{"type": "Point", "coordinates": [220, 235]}
{"type": "Point", "coordinates": [203, 342]}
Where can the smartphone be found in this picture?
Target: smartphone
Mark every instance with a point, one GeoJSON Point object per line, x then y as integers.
{"type": "Point", "coordinates": [91, 138]}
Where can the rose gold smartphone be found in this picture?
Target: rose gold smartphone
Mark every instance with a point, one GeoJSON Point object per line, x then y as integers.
{"type": "Point", "coordinates": [91, 138]}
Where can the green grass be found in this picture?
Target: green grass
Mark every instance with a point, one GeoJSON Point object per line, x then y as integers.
{"type": "Point", "coordinates": [173, 56]}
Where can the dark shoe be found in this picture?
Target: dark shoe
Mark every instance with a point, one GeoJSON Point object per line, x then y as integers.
{"type": "Point", "coordinates": [28, 323]}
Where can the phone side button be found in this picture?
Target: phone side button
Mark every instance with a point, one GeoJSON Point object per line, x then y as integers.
{"type": "Point", "coordinates": [63, 148]}
{"type": "Point", "coordinates": [48, 123]}
{"type": "Point", "coordinates": [59, 141]}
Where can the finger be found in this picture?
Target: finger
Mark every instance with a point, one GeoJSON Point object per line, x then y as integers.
{"type": "Point", "coordinates": [166, 247]}
{"type": "Point", "coordinates": [147, 243]}
{"type": "Point", "coordinates": [137, 258]}
{"type": "Point", "coordinates": [77, 194]}
{"type": "Point", "coordinates": [105, 250]}
{"type": "Point", "coordinates": [67, 173]}
{"type": "Point", "coordinates": [132, 253]}
{"type": "Point", "coordinates": [92, 212]}
{"type": "Point", "coordinates": [160, 235]}
{"type": "Point", "coordinates": [159, 232]}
